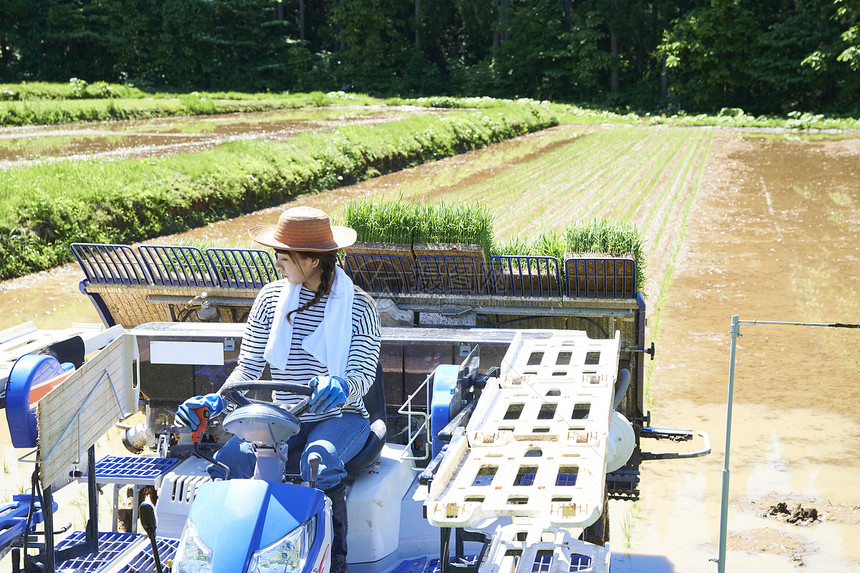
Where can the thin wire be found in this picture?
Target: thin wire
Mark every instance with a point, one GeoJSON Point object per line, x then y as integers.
{"type": "Point", "coordinates": [824, 324]}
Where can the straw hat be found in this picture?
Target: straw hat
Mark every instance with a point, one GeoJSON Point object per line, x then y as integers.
{"type": "Point", "coordinates": [303, 229]}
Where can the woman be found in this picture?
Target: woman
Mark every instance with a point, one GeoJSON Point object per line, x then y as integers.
{"type": "Point", "coordinates": [312, 327]}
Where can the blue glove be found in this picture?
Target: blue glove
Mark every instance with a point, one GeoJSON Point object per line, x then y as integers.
{"type": "Point", "coordinates": [330, 392]}
{"type": "Point", "coordinates": [185, 414]}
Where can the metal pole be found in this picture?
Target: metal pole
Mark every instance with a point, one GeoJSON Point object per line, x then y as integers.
{"type": "Point", "coordinates": [735, 331]}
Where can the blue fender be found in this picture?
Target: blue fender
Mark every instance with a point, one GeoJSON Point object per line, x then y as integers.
{"type": "Point", "coordinates": [238, 517]}
{"type": "Point", "coordinates": [29, 371]}
{"type": "Point", "coordinates": [444, 388]}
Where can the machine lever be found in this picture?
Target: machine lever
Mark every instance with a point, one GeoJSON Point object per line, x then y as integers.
{"type": "Point", "coordinates": [147, 521]}
{"type": "Point", "coordinates": [314, 461]}
{"type": "Point", "coordinates": [202, 415]}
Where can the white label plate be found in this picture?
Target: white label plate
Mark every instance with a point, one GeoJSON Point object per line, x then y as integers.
{"type": "Point", "coordinates": [197, 353]}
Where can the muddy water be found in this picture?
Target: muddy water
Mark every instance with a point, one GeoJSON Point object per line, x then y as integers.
{"type": "Point", "coordinates": [773, 234]}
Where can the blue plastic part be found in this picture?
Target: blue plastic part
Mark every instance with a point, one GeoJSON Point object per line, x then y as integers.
{"type": "Point", "coordinates": [600, 277]}
{"type": "Point", "coordinates": [411, 566]}
{"type": "Point", "coordinates": [13, 518]}
{"type": "Point", "coordinates": [132, 469]}
{"type": "Point", "coordinates": [444, 388]}
{"type": "Point", "coordinates": [99, 304]}
{"type": "Point", "coordinates": [111, 546]}
{"type": "Point", "coordinates": [238, 517]}
{"type": "Point", "coordinates": [578, 562]}
{"type": "Point", "coordinates": [28, 370]}
{"type": "Point", "coordinates": [177, 266]}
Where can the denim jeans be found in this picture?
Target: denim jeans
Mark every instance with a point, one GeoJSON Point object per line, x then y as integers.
{"type": "Point", "coordinates": [336, 440]}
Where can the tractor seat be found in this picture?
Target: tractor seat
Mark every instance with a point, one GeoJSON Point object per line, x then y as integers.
{"type": "Point", "coordinates": [374, 401]}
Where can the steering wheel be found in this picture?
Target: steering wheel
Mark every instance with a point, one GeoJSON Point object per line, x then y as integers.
{"type": "Point", "coordinates": [263, 423]}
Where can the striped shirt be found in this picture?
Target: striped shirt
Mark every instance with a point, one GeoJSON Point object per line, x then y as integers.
{"type": "Point", "coordinates": [302, 366]}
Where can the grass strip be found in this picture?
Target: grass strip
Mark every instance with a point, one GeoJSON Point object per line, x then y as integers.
{"type": "Point", "coordinates": [28, 109]}
{"type": "Point", "coordinates": [48, 103]}
{"type": "Point", "coordinates": [45, 207]}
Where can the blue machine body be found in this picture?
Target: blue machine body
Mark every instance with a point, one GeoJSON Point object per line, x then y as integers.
{"type": "Point", "coordinates": [241, 516]}
{"type": "Point", "coordinates": [28, 371]}
{"type": "Point", "coordinates": [444, 392]}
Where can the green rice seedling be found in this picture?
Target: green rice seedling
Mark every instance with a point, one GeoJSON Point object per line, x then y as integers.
{"type": "Point", "coordinates": [544, 244]}
{"type": "Point", "coordinates": [549, 244]}
{"type": "Point", "coordinates": [5, 466]}
{"type": "Point", "coordinates": [609, 237]}
{"type": "Point", "coordinates": [628, 522]}
{"type": "Point", "coordinates": [446, 223]}
{"type": "Point", "coordinates": [397, 221]}
{"type": "Point", "coordinates": [390, 221]}
{"type": "Point", "coordinates": [512, 246]}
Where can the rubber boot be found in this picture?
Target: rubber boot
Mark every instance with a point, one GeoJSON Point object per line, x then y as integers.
{"type": "Point", "coordinates": [337, 495]}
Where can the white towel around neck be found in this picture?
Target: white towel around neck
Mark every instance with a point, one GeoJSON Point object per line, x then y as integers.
{"type": "Point", "coordinates": [329, 342]}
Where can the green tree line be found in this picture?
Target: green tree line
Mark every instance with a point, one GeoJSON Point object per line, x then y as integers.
{"type": "Point", "coordinates": [697, 55]}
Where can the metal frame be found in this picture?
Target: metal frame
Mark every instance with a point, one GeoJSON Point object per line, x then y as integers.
{"type": "Point", "coordinates": [607, 277]}
{"type": "Point", "coordinates": [110, 264]}
{"type": "Point", "coordinates": [523, 272]}
{"type": "Point", "coordinates": [242, 268]}
{"type": "Point", "coordinates": [177, 266]}
{"type": "Point", "coordinates": [381, 273]}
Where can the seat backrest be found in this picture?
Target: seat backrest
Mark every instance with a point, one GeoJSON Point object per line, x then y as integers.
{"type": "Point", "coordinates": [374, 401]}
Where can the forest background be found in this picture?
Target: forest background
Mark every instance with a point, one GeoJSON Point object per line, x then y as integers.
{"type": "Point", "coordinates": [766, 57]}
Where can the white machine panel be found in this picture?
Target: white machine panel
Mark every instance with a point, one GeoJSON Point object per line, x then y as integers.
{"type": "Point", "coordinates": [536, 445]}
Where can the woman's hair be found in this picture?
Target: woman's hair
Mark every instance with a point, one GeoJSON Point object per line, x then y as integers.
{"type": "Point", "coordinates": [328, 261]}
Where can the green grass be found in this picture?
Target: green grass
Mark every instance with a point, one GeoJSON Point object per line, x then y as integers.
{"type": "Point", "coordinates": [45, 207]}
{"type": "Point", "coordinates": [53, 105]}
{"type": "Point", "coordinates": [74, 89]}
{"type": "Point", "coordinates": [727, 117]}
{"type": "Point", "coordinates": [77, 100]}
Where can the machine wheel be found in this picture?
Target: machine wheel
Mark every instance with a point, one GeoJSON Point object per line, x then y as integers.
{"type": "Point", "coordinates": [598, 532]}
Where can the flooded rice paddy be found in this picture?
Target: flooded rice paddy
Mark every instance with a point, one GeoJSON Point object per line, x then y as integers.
{"type": "Point", "coordinates": [169, 136]}
{"type": "Point", "coordinates": [765, 228]}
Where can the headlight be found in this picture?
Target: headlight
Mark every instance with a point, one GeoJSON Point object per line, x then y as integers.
{"type": "Point", "coordinates": [288, 554]}
{"type": "Point", "coordinates": [192, 555]}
